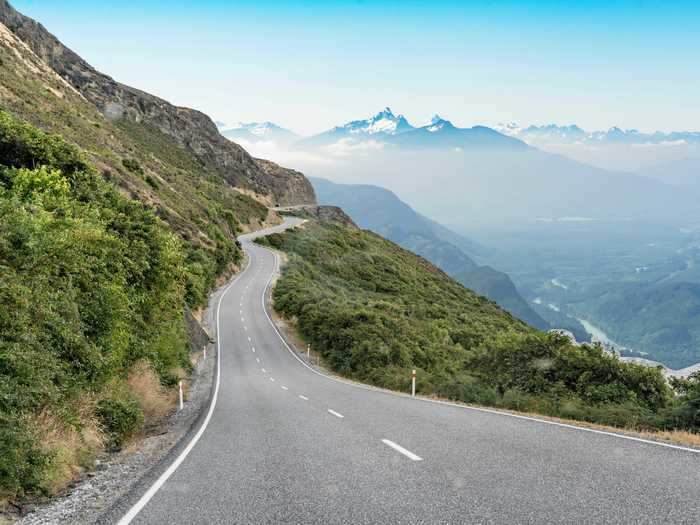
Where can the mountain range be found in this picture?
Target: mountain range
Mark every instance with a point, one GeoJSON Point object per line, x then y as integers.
{"type": "Point", "coordinates": [482, 176]}
{"type": "Point", "coordinates": [574, 134]}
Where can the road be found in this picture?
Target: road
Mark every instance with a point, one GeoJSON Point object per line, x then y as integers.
{"type": "Point", "coordinates": [285, 444]}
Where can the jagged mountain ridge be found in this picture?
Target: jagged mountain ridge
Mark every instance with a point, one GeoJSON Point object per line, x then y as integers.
{"type": "Point", "coordinates": [394, 130]}
{"type": "Point", "coordinates": [573, 134]}
{"type": "Point", "coordinates": [191, 129]}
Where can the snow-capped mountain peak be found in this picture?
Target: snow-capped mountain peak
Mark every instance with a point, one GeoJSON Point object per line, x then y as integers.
{"type": "Point", "coordinates": [259, 129]}
{"type": "Point", "coordinates": [438, 123]}
{"type": "Point", "coordinates": [384, 122]}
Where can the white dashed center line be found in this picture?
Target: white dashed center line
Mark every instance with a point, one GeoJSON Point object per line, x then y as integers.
{"type": "Point", "coordinates": [264, 371]}
{"type": "Point", "coordinates": [272, 379]}
{"type": "Point", "coordinates": [257, 359]}
{"type": "Point", "coordinates": [284, 387]}
{"type": "Point", "coordinates": [303, 397]}
{"type": "Point", "coordinates": [336, 414]}
{"type": "Point", "coordinates": [402, 450]}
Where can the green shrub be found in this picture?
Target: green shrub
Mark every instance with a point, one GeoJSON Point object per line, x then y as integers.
{"type": "Point", "coordinates": [133, 166]}
{"type": "Point", "coordinates": [90, 283]}
{"type": "Point", "coordinates": [152, 182]}
{"type": "Point", "coordinates": [375, 311]}
{"type": "Point", "coordinates": [119, 418]}
{"type": "Point", "coordinates": [22, 462]}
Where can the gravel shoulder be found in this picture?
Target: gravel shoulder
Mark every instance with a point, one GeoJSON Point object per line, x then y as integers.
{"type": "Point", "coordinates": [103, 494]}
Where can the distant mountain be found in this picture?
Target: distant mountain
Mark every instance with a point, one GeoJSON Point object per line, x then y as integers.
{"type": "Point", "coordinates": [395, 130]}
{"type": "Point", "coordinates": [383, 124]}
{"type": "Point", "coordinates": [574, 134]}
{"type": "Point", "coordinates": [442, 133]}
{"type": "Point", "coordinates": [260, 131]}
{"type": "Point", "coordinates": [479, 176]}
{"type": "Point", "coordinates": [381, 211]}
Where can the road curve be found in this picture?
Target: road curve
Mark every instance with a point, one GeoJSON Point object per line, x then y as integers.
{"type": "Point", "coordinates": [284, 444]}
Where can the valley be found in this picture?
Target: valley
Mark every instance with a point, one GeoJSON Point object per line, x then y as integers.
{"type": "Point", "coordinates": [386, 320]}
{"type": "Point", "coordinates": [638, 286]}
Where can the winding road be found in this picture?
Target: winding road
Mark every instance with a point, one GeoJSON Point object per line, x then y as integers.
{"type": "Point", "coordinates": [283, 443]}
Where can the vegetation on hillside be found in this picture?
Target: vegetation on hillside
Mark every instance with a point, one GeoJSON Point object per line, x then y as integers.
{"type": "Point", "coordinates": [375, 311]}
{"type": "Point", "coordinates": [198, 204]}
{"type": "Point", "coordinates": [92, 290]}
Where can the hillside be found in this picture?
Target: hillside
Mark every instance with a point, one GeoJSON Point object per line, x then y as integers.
{"type": "Point", "coordinates": [118, 214]}
{"type": "Point", "coordinates": [660, 319]}
{"type": "Point", "coordinates": [374, 311]}
{"type": "Point", "coordinates": [384, 213]}
{"type": "Point", "coordinates": [190, 129]}
{"type": "Point", "coordinates": [173, 159]}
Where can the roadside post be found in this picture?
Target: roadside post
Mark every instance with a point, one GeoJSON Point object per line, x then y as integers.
{"type": "Point", "coordinates": [308, 352]}
{"type": "Point", "coordinates": [182, 402]}
{"type": "Point", "coordinates": [413, 383]}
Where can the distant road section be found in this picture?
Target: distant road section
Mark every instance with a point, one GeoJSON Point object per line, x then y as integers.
{"type": "Point", "coordinates": [285, 444]}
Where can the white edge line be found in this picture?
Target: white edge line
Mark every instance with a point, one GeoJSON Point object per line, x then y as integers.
{"type": "Point", "coordinates": [143, 501]}
{"type": "Point", "coordinates": [402, 450]}
{"type": "Point", "coordinates": [448, 403]}
{"type": "Point", "coordinates": [336, 414]}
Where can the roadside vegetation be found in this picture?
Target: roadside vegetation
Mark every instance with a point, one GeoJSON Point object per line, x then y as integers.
{"type": "Point", "coordinates": [92, 290]}
{"type": "Point", "coordinates": [375, 311]}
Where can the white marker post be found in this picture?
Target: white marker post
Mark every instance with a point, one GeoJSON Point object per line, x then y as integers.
{"type": "Point", "coordinates": [182, 402]}
{"type": "Point", "coordinates": [413, 384]}
{"type": "Point", "coordinates": [204, 354]}
{"type": "Point", "coordinates": [308, 352]}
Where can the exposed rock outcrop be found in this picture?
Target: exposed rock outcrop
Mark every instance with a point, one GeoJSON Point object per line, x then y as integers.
{"type": "Point", "coordinates": [190, 128]}
{"type": "Point", "coordinates": [321, 213]}
{"type": "Point", "coordinates": [289, 187]}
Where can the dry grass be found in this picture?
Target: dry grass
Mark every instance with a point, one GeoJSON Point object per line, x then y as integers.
{"type": "Point", "coordinates": [73, 448]}
{"type": "Point", "coordinates": [681, 437]}
{"type": "Point", "coordinates": [155, 400]}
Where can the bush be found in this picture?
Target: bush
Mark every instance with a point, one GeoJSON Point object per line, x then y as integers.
{"type": "Point", "coordinates": [90, 283]}
{"type": "Point", "coordinates": [119, 418]}
{"type": "Point", "coordinates": [375, 311]}
{"type": "Point", "coordinates": [22, 462]}
{"type": "Point", "coordinates": [133, 166]}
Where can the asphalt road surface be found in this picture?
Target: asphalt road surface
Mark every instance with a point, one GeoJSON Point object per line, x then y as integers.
{"type": "Point", "coordinates": [285, 444]}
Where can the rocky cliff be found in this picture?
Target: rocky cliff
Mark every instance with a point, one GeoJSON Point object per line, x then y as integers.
{"type": "Point", "coordinates": [191, 129]}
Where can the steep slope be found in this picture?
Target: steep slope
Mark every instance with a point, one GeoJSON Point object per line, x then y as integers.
{"type": "Point", "coordinates": [189, 129]}
{"type": "Point", "coordinates": [384, 213]}
{"type": "Point", "coordinates": [499, 287]}
{"type": "Point", "coordinates": [118, 212]}
{"type": "Point", "coordinates": [374, 311]}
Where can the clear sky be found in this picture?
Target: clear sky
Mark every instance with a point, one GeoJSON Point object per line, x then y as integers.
{"type": "Point", "coordinates": [309, 65]}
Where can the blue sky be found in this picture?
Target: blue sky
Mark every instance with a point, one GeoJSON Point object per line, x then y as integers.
{"type": "Point", "coordinates": [311, 65]}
